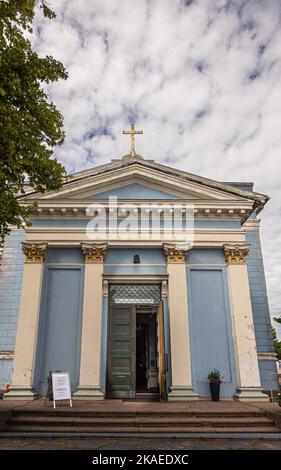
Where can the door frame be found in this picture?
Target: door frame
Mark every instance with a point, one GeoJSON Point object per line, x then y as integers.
{"type": "Point", "coordinates": [162, 281]}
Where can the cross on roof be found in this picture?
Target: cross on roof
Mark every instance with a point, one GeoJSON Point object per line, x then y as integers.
{"type": "Point", "coordinates": [132, 132]}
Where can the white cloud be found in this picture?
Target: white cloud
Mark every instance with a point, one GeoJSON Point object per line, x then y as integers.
{"type": "Point", "coordinates": [201, 77]}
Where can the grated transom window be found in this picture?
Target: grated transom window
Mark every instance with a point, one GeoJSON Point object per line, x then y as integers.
{"type": "Point", "coordinates": [143, 294]}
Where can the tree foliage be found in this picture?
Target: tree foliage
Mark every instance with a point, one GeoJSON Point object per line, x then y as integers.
{"type": "Point", "coordinates": [277, 344]}
{"type": "Point", "coordinates": [30, 125]}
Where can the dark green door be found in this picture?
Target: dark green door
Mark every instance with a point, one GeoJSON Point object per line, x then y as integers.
{"type": "Point", "coordinates": [121, 365]}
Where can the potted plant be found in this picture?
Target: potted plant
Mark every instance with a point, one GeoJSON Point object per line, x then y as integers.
{"type": "Point", "coordinates": [214, 378]}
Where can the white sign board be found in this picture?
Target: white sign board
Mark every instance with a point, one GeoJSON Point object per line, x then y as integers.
{"type": "Point", "coordinates": [61, 387]}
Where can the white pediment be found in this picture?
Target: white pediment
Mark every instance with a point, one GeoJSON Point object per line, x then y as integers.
{"type": "Point", "coordinates": [142, 181]}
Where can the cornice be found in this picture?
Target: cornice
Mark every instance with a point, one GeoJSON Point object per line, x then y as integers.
{"type": "Point", "coordinates": [202, 209]}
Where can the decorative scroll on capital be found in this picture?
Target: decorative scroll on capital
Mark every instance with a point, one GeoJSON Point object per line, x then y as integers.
{"type": "Point", "coordinates": [94, 252]}
{"type": "Point", "coordinates": [174, 253]}
{"type": "Point", "coordinates": [34, 252]}
{"type": "Point", "coordinates": [236, 254]}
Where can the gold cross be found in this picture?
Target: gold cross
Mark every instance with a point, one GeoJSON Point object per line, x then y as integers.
{"type": "Point", "coordinates": [132, 132]}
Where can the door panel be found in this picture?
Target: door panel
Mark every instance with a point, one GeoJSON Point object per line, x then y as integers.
{"type": "Point", "coordinates": [60, 327]}
{"type": "Point", "coordinates": [121, 352]}
{"type": "Point", "coordinates": [210, 330]}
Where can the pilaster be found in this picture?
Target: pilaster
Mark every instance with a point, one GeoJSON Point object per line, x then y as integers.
{"type": "Point", "coordinates": [249, 386]}
{"type": "Point", "coordinates": [181, 387]}
{"type": "Point", "coordinates": [90, 387]}
{"type": "Point", "coordinates": [26, 341]}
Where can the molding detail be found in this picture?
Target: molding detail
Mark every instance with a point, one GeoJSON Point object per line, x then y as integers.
{"type": "Point", "coordinates": [164, 285]}
{"type": "Point", "coordinates": [174, 254]}
{"type": "Point", "coordinates": [105, 287]}
{"type": "Point", "coordinates": [267, 356]}
{"type": "Point", "coordinates": [34, 252]}
{"type": "Point", "coordinates": [7, 355]}
{"type": "Point", "coordinates": [250, 394]}
{"type": "Point", "coordinates": [88, 393]}
{"type": "Point", "coordinates": [236, 254]}
{"type": "Point", "coordinates": [94, 252]}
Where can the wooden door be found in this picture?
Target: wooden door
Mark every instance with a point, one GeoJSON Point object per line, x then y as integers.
{"type": "Point", "coordinates": [121, 362]}
{"type": "Point", "coordinates": [161, 352]}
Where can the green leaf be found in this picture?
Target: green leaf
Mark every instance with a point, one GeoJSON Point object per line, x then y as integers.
{"type": "Point", "coordinates": [30, 125]}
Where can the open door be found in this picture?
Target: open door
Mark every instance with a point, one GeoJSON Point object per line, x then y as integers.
{"type": "Point", "coordinates": [161, 352]}
{"type": "Point", "coordinates": [121, 363]}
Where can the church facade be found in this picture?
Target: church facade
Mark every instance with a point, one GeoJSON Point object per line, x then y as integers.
{"type": "Point", "coordinates": [137, 278]}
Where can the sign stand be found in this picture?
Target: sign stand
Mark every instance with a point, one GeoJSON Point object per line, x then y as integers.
{"type": "Point", "coordinates": [60, 384]}
{"type": "Point", "coordinates": [49, 394]}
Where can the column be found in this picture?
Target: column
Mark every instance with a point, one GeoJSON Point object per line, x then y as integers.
{"type": "Point", "coordinates": [181, 388]}
{"type": "Point", "coordinates": [248, 377]}
{"type": "Point", "coordinates": [26, 341]}
{"type": "Point", "coordinates": [91, 348]}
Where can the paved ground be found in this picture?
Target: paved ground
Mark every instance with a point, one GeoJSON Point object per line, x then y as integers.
{"type": "Point", "coordinates": [141, 443]}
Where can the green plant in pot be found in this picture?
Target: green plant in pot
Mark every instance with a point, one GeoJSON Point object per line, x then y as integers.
{"type": "Point", "coordinates": [215, 379]}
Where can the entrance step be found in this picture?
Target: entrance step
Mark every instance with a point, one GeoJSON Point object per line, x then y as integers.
{"type": "Point", "coordinates": [163, 419]}
{"type": "Point", "coordinates": [146, 397]}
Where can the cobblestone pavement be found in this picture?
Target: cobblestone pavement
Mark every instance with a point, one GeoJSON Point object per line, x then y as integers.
{"type": "Point", "coordinates": [140, 443]}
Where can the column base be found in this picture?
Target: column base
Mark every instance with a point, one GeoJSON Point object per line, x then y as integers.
{"type": "Point", "coordinates": [20, 393]}
{"type": "Point", "coordinates": [250, 394]}
{"type": "Point", "coordinates": [182, 393]}
{"type": "Point", "coordinates": [88, 393]}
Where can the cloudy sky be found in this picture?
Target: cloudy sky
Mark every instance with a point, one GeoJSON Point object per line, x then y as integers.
{"type": "Point", "coordinates": [201, 78]}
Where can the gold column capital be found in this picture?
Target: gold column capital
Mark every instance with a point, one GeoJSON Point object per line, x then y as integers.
{"type": "Point", "coordinates": [175, 253]}
{"type": "Point", "coordinates": [94, 252]}
{"type": "Point", "coordinates": [34, 252]}
{"type": "Point", "coordinates": [236, 253]}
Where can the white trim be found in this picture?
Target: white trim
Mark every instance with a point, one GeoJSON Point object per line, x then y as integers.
{"type": "Point", "coordinates": [7, 355]}
{"type": "Point", "coordinates": [123, 174]}
{"type": "Point", "coordinates": [133, 278]}
{"type": "Point", "coordinates": [267, 356]}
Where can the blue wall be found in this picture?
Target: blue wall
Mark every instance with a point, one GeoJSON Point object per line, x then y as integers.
{"type": "Point", "coordinates": [260, 307]}
{"type": "Point", "coordinates": [210, 320]}
{"type": "Point", "coordinates": [59, 335]}
{"type": "Point", "coordinates": [152, 261]}
{"type": "Point", "coordinates": [11, 269]}
{"type": "Point", "coordinates": [134, 191]}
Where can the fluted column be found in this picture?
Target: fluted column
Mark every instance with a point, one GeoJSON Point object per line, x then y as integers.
{"type": "Point", "coordinates": [248, 377]}
{"type": "Point", "coordinates": [91, 348]}
{"type": "Point", "coordinates": [26, 341]}
{"type": "Point", "coordinates": [181, 388]}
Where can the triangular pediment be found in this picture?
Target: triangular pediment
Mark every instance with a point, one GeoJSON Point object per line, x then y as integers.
{"type": "Point", "coordinates": [142, 180]}
{"type": "Point", "coordinates": [133, 191]}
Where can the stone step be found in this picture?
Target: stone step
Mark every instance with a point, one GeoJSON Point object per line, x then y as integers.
{"type": "Point", "coordinates": [237, 421]}
{"type": "Point", "coordinates": [140, 420]}
{"type": "Point", "coordinates": [67, 421]}
{"type": "Point", "coordinates": [141, 429]}
{"type": "Point", "coordinates": [70, 412]}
